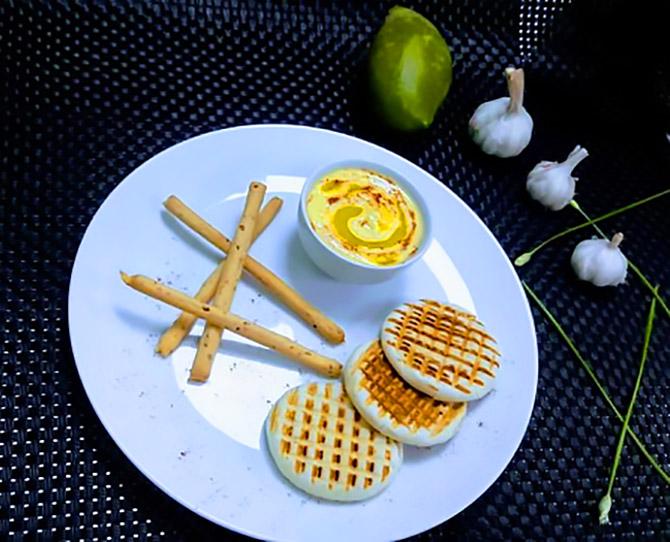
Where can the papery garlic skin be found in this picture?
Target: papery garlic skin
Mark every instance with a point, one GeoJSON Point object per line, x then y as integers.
{"type": "Point", "coordinates": [499, 132]}
{"type": "Point", "coordinates": [600, 261]}
{"type": "Point", "coordinates": [552, 183]}
{"type": "Point", "coordinates": [503, 127]}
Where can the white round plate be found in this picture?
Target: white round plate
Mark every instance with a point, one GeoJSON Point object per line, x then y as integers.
{"type": "Point", "coordinates": [202, 444]}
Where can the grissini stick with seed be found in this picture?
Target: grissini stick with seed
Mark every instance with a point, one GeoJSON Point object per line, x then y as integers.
{"type": "Point", "coordinates": [282, 291]}
{"type": "Point", "coordinates": [236, 324]}
{"type": "Point", "coordinates": [231, 270]}
{"type": "Point", "coordinates": [181, 327]}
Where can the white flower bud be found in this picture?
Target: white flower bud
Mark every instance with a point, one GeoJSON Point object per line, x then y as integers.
{"type": "Point", "coordinates": [604, 507]}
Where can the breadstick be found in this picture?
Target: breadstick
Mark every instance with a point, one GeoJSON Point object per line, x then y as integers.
{"type": "Point", "coordinates": [231, 270]}
{"type": "Point", "coordinates": [236, 324]}
{"type": "Point", "coordinates": [292, 299]}
{"type": "Point", "coordinates": [181, 327]}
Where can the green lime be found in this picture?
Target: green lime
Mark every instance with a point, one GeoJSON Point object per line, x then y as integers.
{"type": "Point", "coordinates": [410, 70]}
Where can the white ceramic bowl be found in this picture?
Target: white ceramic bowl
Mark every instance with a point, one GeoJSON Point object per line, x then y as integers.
{"type": "Point", "coordinates": [335, 264]}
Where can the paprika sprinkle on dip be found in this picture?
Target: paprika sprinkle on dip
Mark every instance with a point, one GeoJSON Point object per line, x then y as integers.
{"type": "Point", "coordinates": [365, 216]}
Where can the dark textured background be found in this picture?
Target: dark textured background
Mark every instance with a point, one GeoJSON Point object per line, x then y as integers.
{"type": "Point", "coordinates": [90, 90]}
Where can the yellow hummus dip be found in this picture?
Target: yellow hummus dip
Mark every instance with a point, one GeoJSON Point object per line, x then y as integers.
{"type": "Point", "coordinates": [365, 216]}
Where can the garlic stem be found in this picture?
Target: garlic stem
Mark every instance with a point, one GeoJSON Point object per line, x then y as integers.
{"type": "Point", "coordinates": [577, 155]}
{"type": "Point", "coordinates": [524, 258]}
{"type": "Point", "coordinates": [616, 240]}
{"type": "Point", "coordinates": [515, 84]}
{"type": "Point", "coordinates": [629, 411]}
{"type": "Point", "coordinates": [594, 378]}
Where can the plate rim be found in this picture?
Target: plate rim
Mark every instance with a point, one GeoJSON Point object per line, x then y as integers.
{"type": "Point", "coordinates": [274, 126]}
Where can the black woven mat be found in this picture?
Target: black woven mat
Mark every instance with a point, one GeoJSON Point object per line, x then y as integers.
{"type": "Point", "coordinates": [90, 90]}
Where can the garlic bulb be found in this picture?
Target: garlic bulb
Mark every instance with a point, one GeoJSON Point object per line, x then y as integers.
{"type": "Point", "coordinates": [503, 127]}
{"type": "Point", "coordinates": [552, 183]}
{"type": "Point", "coordinates": [600, 261]}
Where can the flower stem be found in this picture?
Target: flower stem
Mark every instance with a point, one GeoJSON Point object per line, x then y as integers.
{"type": "Point", "coordinates": [594, 378]}
{"type": "Point", "coordinates": [524, 258]}
{"type": "Point", "coordinates": [622, 437]}
{"type": "Point", "coordinates": [635, 268]}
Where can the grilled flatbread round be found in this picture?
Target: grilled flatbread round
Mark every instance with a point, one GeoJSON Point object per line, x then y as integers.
{"type": "Point", "coordinates": [441, 350]}
{"type": "Point", "coordinates": [323, 446]}
{"type": "Point", "coordinates": [394, 407]}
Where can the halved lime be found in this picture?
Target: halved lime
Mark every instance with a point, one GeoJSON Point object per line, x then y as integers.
{"type": "Point", "coordinates": [410, 70]}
